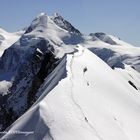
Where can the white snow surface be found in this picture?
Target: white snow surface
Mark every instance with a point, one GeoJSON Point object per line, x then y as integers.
{"type": "Point", "coordinates": [8, 39]}
{"type": "Point", "coordinates": [91, 102]}
{"type": "Point", "coordinates": [4, 87]}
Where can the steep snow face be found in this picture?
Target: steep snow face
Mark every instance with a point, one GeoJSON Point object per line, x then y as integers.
{"type": "Point", "coordinates": [61, 22]}
{"type": "Point", "coordinates": [83, 105]}
{"type": "Point", "coordinates": [58, 31]}
{"type": "Point", "coordinates": [7, 39]}
{"type": "Point", "coordinates": [39, 23]}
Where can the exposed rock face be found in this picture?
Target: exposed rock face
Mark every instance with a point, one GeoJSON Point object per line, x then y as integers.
{"type": "Point", "coordinates": [30, 70]}
{"type": "Point", "coordinates": [61, 22]}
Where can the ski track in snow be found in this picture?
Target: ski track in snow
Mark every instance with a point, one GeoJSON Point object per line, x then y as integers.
{"type": "Point", "coordinates": [72, 95]}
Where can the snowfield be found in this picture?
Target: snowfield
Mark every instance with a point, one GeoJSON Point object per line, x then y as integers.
{"type": "Point", "coordinates": [60, 84]}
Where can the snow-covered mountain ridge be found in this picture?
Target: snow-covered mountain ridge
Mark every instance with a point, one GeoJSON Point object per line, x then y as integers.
{"type": "Point", "coordinates": [65, 113]}
{"type": "Point", "coordinates": [72, 93]}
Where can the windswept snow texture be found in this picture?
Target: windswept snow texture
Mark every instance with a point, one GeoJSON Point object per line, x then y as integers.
{"type": "Point", "coordinates": [84, 105]}
{"type": "Point", "coordinates": [58, 84]}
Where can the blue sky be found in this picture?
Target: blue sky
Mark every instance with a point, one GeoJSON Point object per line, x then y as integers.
{"type": "Point", "coordinates": [116, 17]}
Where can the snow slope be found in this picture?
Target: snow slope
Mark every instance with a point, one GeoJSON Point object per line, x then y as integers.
{"type": "Point", "coordinates": [7, 39]}
{"type": "Point", "coordinates": [84, 105]}
{"type": "Point", "coordinates": [115, 55]}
